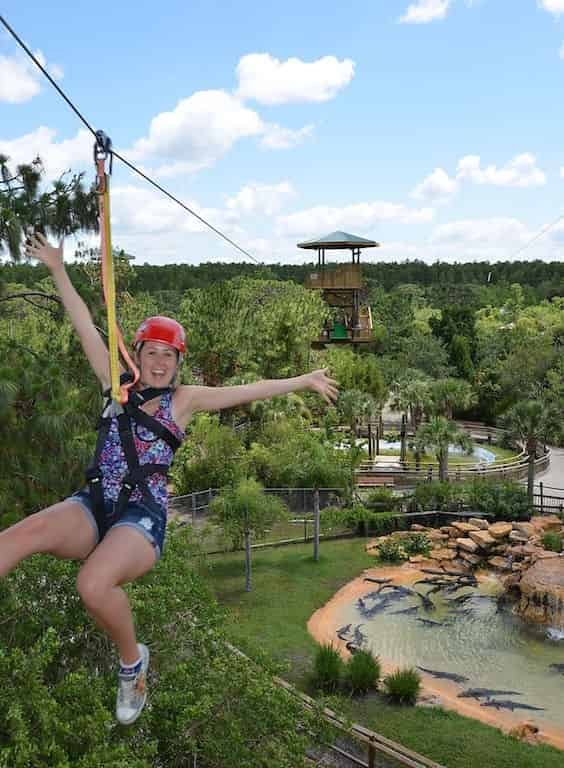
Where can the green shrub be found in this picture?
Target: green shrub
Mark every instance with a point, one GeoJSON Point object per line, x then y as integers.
{"type": "Point", "coordinates": [382, 498]}
{"type": "Point", "coordinates": [391, 552]}
{"type": "Point", "coordinates": [362, 671]}
{"type": "Point", "coordinates": [504, 500]}
{"type": "Point", "coordinates": [403, 685]}
{"type": "Point", "coordinates": [435, 494]}
{"type": "Point", "coordinates": [328, 668]}
{"type": "Point", "coordinates": [554, 542]}
{"type": "Point", "coordinates": [58, 677]}
{"type": "Point", "coordinates": [381, 523]}
{"type": "Point", "coordinates": [416, 544]}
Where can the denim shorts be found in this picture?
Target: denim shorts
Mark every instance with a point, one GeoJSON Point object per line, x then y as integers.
{"type": "Point", "coordinates": [149, 521]}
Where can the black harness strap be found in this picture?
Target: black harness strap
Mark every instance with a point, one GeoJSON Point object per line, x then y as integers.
{"type": "Point", "coordinates": [137, 474]}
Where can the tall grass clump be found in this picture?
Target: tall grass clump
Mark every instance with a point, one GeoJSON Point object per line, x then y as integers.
{"type": "Point", "coordinates": [403, 685]}
{"type": "Point", "coordinates": [362, 672]}
{"type": "Point", "coordinates": [328, 668]}
{"type": "Point", "coordinates": [552, 541]}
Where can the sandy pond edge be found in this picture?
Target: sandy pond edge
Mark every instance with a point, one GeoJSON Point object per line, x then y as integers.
{"type": "Point", "coordinates": [323, 624]}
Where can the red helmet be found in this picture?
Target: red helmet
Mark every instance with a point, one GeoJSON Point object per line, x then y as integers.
{"type": "Point", "coordinates": [161, 329]}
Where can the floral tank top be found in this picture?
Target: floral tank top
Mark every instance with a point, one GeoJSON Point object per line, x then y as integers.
{"type": "Point", "coordinates": [150, 449]}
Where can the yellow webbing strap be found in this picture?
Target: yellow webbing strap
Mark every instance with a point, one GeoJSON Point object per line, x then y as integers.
{"type": "Point", "coordinates": [108, 278]}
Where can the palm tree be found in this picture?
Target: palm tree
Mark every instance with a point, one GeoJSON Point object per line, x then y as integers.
{"type": "Point", "coordinates": [436, 435]}
{"type": "Point", "coordinates": [357, 407]}
{"type": "Point", "coordinates": [449, 395]}
{"type": "Point", "coordinates": [529, 422]}
{"type": "Point", "coordinates": [412, 396]}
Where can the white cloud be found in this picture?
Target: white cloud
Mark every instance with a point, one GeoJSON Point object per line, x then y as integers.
{"type": "Point", "coordinates": [58, 157]}
{"type": "Point", "coordinates": [489, 232]}
{"type": "Point", "coordinates": [424, 11]}
{"type": "Point", "coordinates": [199, 130]}
{"type": "Point", "coordinates": [324, 219]}
{"type": "Point", "coordinates": [522, 171]}
{"type": "Point", "coordinates": [278, 137]}
{"type": "Point", "coordinates": [20, 80]}
{"type": "Point", "coordinates": [261, 198]}
{"type": "Point", "coordinates": [271, 81]}
{"type": "Point", "coordinates": [438, 187]}
{"type": "Point", "coordinates": [552, 6]}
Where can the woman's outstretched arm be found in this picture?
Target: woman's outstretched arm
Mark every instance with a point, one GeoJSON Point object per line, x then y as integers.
{"type": "Point", "coordinates": [92, 343]}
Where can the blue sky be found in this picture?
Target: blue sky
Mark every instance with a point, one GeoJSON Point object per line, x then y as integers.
{"type": "Point", "coordinates": [432, 126]}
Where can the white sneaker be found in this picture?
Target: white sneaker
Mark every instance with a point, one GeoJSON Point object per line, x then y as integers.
{"type": "Point", "coordinates": [132, 691]}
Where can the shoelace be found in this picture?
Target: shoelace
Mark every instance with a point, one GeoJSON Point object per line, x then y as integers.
{"type": "Point", "coordinates": [128, 689]}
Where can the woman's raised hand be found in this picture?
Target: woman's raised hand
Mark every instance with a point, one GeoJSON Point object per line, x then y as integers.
{"type": "Point", "coordinates": [38, 247]}
{"type": "Point", "coordinates": [318, 381]}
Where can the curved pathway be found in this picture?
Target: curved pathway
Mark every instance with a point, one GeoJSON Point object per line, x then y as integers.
{"type": "Point", "coordinates": [554, 475]}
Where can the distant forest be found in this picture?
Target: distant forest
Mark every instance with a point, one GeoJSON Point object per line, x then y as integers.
{"type": "Point", "coordinates": [475, 283]}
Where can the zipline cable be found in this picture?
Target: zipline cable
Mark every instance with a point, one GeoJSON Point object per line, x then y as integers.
{"type": "Point", "coordinates": [543, 231]}
{"type": "Point", "coordinates": [130, 165]}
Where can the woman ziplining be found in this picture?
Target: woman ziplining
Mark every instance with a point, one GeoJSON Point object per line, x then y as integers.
{"type": "Point", "coordinates": [116, 524]}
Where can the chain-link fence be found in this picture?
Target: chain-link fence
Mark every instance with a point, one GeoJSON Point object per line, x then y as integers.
{"type": "Point", "coordinates": [193, 509]}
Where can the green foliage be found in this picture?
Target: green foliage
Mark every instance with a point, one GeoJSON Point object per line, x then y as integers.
{"type": "Point", "coordinates": [554, 542]}
{"type": "Point", "coordinates": [435, 494]}
{"type": "Point", "coordinates": [504, 500]}
{"type": "Point", "coordinates": [416, 544]}
{"type": "Point", "coordinates": [258, 326]}
{"type": "Point", "coordinates": [403, 686]}
{"type": "Point", "coordinates": [246, 507]}
{"type": "Point", "coordinates": [328, 668]}
{"type": "Point", "coordinates": [58, 678]}
{"type": "Point", "coordinates": [362, 671]}
{"type": "Point", "coordinates": [391, 551]}
{"type": "Point", "coordinates": [65, 209]}
{"type": "Point", "coordinates": [382, 498]}
{"type": "Point", "coordinates": [358, 372]}
{"type": "Point", "coordinates": [211, 458]}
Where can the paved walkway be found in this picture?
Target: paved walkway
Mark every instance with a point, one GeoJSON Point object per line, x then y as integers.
{"type": "Point", "coordinates": [554, 475]}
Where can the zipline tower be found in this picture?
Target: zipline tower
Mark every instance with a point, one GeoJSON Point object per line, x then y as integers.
{"type": "Point", "coordinates": [342, 289]}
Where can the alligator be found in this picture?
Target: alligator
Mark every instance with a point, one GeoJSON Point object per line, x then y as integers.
{"type": "Point", "coordinates": [344, 631]}
{"type": "Point", "coordinates": [359, 637]}
{"type": "Point", "coordinates": [444, 675]}
{"type": "Point", "coordinates": [430, 622]}
{"type": "Point", "coordinates": [478, 693]}
{"type": "Point", "coordinates": [413, 609]}
{"type": "Point", "coordinates": [508, 704]}
{"type": "Point", "coordinates": [427, 602]}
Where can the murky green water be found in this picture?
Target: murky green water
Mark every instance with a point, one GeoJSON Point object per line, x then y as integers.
{"type": "Point", "coordinates": [476, 636]}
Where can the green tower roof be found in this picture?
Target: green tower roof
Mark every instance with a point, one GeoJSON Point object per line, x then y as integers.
{"type": "Point", "coordinates": [338, 240]}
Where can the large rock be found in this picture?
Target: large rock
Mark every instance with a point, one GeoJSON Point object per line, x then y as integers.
{"type": "Point", "coordinates": [468, 557]}
{"type": "Point", "coordinates": [500, 530]}
{"type": "Point", "coordinates": [479, 522]}
{"type": "Point", "coordinates": [500, 563]}
{"type": "Point", "coordinates": [482, 539]}
{"type": "Point", "coordinates": [542, 523]}
{"type": "Point", "coordinates": [443, 554]}
{"type": "Point", "coordinates": [542, 592]}
{"type": "Point", "coordinates": [467, 545]}
{"type": "Point", "coordinates": [527, 529]}
{"type": "Point", "coordinates": [518, 537]}
{"type": "Point", "coordinates": [464, 527]}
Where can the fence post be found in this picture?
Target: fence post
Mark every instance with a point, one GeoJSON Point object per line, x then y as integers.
{"type": "Point", "coordinates": [193, 509]}
{"type": "Point", "coordinates": [371, 755]}
{"type": "Point", "coordinates": [541, 497]}
{"type": "Point", "coordinates": [370, 456]}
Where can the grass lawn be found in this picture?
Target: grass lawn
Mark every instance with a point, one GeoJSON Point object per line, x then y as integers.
{"type": "Point", "coordinates": [287, 588]}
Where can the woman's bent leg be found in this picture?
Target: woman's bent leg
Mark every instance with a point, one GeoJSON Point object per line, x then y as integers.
{"type": "Point", "coordinates": [62, 530]}
{"type": "Point", "coordinates": [123, 556]}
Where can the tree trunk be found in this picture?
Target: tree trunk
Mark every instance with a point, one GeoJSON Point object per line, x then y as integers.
{"type": "Point", "coordinates": [247, 560]}
{"type": "Point", "coordinates": [403, 431]}
{"type": "Point", "coordinates": [532, 451]}
{"type": "Point", "coordinates": [443, 465]}
{"type": "Point", "coordinates": [316, 516]}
